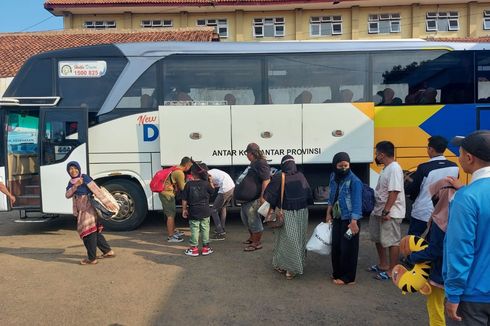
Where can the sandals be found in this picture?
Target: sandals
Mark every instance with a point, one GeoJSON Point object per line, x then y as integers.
{"type": "Point", "coordinates": [109, 254]}
{"type": "Point", "coordinates": [280, 270]}
{"type": "Point", "coordinates": [382, 276]}
{"type": "Point", "coordinates": [248, 241]}
{"type": "Point", "coordinates": [85, 261]}
{"type": "Point", "coordinates": [253, 247]}
{"type": "Point", "coordinates": [376, 269]}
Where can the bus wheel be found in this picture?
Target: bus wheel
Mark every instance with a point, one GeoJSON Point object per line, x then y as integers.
{"type": "Point", "coordinates": [132, 202]}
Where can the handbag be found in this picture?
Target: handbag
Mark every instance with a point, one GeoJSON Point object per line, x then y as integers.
{"type": "Point", "coordinates": [102, 211]}
{"type": "Point", "coordinates": [276, 219]}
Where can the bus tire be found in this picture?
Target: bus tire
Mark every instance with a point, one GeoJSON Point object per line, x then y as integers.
{"type": "Point", "coordinates": [133, 204]}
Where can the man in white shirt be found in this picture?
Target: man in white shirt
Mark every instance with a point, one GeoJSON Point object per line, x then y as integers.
{"type": "Point", "coordinates": [438, 167]}
{"type": "Point", "coordinates": [389, 211]}
{"type": "Point", "coordinates": [225, 185]}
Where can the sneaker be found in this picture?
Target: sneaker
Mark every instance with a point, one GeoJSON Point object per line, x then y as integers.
{"type": "Point", "coordinates": [175, 238]}
{"type": "Point", "coordinates": [178, 233]}
{"type": "Point", "coordinates": [193, 251]}
{"type": "Point", "coordinates": [207, 250]}
{"type": "Point", "coordinates": [218, 237]}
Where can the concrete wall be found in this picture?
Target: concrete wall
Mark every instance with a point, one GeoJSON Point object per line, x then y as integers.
{"type": "Point", "coordinates": [297, 21]}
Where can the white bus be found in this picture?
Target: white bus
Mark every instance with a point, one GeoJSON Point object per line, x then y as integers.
{"type": "Point", "coordinates": [125, 110]}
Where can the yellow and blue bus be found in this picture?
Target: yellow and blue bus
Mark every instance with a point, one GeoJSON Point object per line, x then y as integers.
{"type": "Point", "coordinates": [125, 110]}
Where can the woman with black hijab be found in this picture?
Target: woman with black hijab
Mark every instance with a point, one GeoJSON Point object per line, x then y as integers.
{"type": "Point", "coordinates": [344, 211]}
{"type": "Point", "coordinates": [289, 250]}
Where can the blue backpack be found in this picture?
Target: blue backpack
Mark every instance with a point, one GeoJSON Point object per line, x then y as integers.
{"type": "Point", "coordinates": [367, 200]}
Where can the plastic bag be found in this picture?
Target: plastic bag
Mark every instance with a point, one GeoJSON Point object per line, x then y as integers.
{"type": "Point", "coordinates": [321, 239]}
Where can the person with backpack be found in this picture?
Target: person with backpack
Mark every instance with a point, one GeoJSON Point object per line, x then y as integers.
{"type": "Point", "coordinates": [250, 192]}
{"type": "Point", "coordinates": [225, 185]}
{"type": "Point", "coordinates": [344, 212]}
{"type": "Point", "coordinates": [438, 167]}
{"type": "Point", "coordinates": [173, 179]}
{"type": "Point", "coordinates": [195, 207]}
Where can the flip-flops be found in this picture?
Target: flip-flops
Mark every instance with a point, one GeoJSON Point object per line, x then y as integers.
{"type": "Point", "coordinates": [382, 276]}
{"type": "Point", "coordinates": [375, 269]}
{"type": "Point", "coordinates": [88, 262]}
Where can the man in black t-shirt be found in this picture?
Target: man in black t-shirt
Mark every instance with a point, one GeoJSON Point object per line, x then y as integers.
{"type": "Point", "coordinates": [250, 191]}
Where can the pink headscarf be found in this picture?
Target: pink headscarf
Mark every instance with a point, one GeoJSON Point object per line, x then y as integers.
{"type": "Point", "coordinates": [444, 191]}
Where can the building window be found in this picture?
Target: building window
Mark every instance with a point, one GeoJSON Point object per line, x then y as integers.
{"type": "Point", "coordinates": [486, 19]}
{"type": "Point", "coordinates": [325, 25]}
{"type": "Point", "coordinates": [100, 24]}
{"type": "Point", "coordinates": [220, 25]}
{"type": "Point", "coordinates": [156, 23]}
{"type": "Point", "coordinates": [268, 27]}
{"type": "Point", "coordinates": [384, 23]}
{"type": "Point", "coordinates": [442, 21]}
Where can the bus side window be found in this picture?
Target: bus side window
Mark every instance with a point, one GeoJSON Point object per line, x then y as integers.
{"type": "Point", "coordinates": [317, 78]}
{"type": "Point", "coordinates": [483, 76]}
{"type": "Point", "coordinates": [212, 79]}
{"type": "Point", "coordinates": [143, 93]}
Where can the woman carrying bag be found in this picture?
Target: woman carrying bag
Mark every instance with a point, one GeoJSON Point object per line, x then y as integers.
{"type": "Point", "coordinates": [344, 211]}
{"type": "Point", "coordinates": [289, 250]}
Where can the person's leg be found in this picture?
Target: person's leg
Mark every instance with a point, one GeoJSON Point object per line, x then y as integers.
{"type": "Point", "coordinates": [194, 238]}
{"type": "Point", "coordinates": [375, 234]}
{"type": "Point", "coordinates": [102, 243]}
{"type": "Point", "coordinates": [217, 205]}
{"type": "Point", "coordinates": [336, 248]}
{"type": "Point", "coordinates": [90, 242]}
{"type": "Point", "coordinates": [350, 252]}
{"type": "Point", "coordinates": [227, 199]}
{"type": "Point", "coordinates": [256, 227]}
{"type": "Point", "coordinates": [435, 307]}
{"type": "Point", "coordinates": [204, 228]}
{"type": "Point", "coordinates": [390, 238]}
{"type": "Point", "coordinates": [394, 258]}
{"type": "Point", "coordinates": [169, 209]}
{"type": "Point", "coordinates": [243, 216]}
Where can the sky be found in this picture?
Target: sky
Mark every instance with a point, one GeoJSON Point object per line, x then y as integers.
{"type": "Point", "coordinates": [27, 16]}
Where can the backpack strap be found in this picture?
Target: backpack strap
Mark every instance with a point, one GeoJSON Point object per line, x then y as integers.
{"type": "Point", "coordinates": [283, 182]}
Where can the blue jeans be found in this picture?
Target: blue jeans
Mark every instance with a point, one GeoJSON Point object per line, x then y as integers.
{"type": "Point", "coordinates": [250, 218]}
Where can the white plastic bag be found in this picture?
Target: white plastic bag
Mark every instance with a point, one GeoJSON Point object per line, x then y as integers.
{"type": "Point", "coordinates": [321, 239]}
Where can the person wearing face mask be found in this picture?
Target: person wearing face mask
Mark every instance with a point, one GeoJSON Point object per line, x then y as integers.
{"type": "Point", "coordinates": [344, 212]}
{"type": "Point", "coordinates": [389, 211]}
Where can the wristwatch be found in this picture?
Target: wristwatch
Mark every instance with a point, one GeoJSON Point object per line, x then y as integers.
{"type": "Point", "coordinates": [385, 212]}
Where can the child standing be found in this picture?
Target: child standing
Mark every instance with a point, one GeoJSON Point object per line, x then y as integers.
{"type": "Point", "coordinates": [195, 207]}
{"type": "Point", "coordinates": [80, 188]}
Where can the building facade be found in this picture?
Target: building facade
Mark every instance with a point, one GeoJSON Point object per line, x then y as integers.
{"type": "Point", "coordinates": [273, 20]}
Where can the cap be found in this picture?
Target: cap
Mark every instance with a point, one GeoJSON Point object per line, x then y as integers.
{"type": "Point", "coordinates": [252, 147]}
{"type": "Point", "coordinates": [477, 144]}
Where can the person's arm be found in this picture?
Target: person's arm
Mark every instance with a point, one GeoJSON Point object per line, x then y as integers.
{"type": "Point", "coordinates": [392, 196]}
{"type": "Point", "coordinates": [433, 251]}
{"type": "Point", "coordinates": [356, 199]}
{"type": "Point", "coordinates": [185, 212]}
{"type": "Point", "coordinates": [413, 188]}
{"type": "Point", "coordinates": [71, 191]}
{"type": "Point", "coordinates": [265, 183]}
{"type": "Point", "coordinates": [459, 247]}
{"type": "Point", "coordinates": [7, 193]}
{"type": "Point", "coordinates": [180, 180]}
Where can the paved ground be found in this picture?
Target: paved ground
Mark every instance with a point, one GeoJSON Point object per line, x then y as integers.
{"type": "Point", "coordinates": [151, 282]}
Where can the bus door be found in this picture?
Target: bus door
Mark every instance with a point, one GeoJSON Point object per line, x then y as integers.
{"type": "Point", "coordinates": [20, 156]}
{"type": "Point", "coordinates": [63, 138]}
